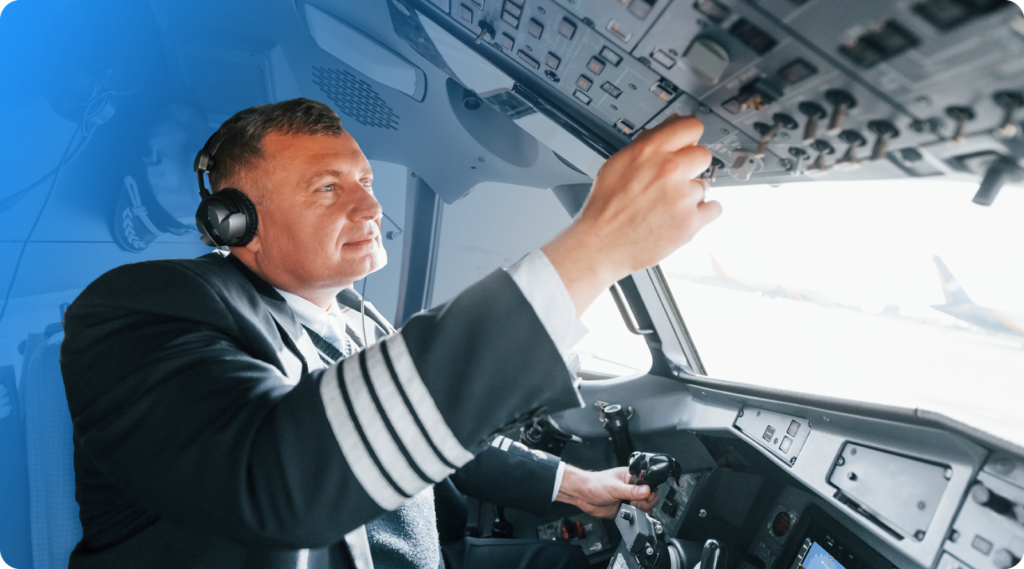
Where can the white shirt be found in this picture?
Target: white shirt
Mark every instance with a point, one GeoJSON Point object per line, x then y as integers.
{"type": "Point", "coordinates": [536, 278]}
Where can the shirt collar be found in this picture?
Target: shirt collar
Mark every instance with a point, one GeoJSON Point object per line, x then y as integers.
{"type": "Point", "coordinates": [309, 314]}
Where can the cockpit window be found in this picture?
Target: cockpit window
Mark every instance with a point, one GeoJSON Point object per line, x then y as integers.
{"type": "Point", "coordinates": [498, 224]}
{"type": "Point", "coordinates": [898, 293]}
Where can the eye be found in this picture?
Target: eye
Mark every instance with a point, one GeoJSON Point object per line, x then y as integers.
{"type": "Point", "coordinates": [327, 188]}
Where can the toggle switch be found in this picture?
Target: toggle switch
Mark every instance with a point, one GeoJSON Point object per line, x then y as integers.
{"type": "Point", "coordinates": [799, 155]}
{"type": "Point", "coordinates": [841, 102]}
{"type": "Point", "coordinates": [961, 115]}
{"type": "Point", "coordinates": [815, 113]}
{"type": "Point", "coordinates": [712, 172]}
{"type": "Point", "coordinates": [824, 149]}
{"type": "Point", "coordinates": [780, 121]}
{"type": "Point", "coordinates": [886, 131]}
{"type": "Point", "coordinates": [850, 160]}
{"type": "Point", "coordinates": [486, 32]}
{"type": "Point", "coordinates": [1010, 101]}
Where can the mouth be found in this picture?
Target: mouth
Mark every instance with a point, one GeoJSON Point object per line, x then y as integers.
{"type": "Point", "coordinates": [360, 244]}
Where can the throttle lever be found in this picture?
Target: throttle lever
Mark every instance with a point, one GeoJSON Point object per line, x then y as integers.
{"type": "Point", "coordinates": [652, 469]}
{"type": "Point", "coordinates": [711, 555]}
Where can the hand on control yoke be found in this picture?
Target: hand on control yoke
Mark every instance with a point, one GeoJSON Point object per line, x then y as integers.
{"type": "Point", "coordinates": [645, 204]}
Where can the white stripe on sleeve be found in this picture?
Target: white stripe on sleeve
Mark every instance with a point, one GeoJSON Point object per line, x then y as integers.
{"type": "Point", "coordinates": [401, 418]}
{"type": "Point", "coordinates": [505, 444]}
{"type": "Point", "coordinates": [357, 455]}
{"type": "Point", "coordinates": [376, 432]}
{"type": "Point", "coordinates": [423, 404]}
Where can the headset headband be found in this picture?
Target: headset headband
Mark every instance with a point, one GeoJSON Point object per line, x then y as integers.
{"type": "Point", "coordinates": [204, 162]}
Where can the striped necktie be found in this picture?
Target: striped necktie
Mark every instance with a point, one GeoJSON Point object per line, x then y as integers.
{"type": "Point", "coordinates": [328, 351]}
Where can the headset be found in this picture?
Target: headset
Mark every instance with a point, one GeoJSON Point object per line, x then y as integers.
{"type": "Point", "coordinates": [226, 218]}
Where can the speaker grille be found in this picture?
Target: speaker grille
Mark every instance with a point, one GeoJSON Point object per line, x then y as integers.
{"type": "Point", "coordinates": [225, 87]}
{"type": "Point", "coordinates": [355, 98]}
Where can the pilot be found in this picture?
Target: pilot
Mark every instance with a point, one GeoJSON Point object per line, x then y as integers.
{"type": "Point", "coordinates": [247, 410]}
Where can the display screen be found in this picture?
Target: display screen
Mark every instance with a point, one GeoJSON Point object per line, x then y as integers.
{"type": "Point", "coordinates": [818, 558]}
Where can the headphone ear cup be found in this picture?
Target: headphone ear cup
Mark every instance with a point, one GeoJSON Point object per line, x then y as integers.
{"type": "Point", "coordinates": [243, 205]}
{"type": "Point", "coordinates": [227, 218]}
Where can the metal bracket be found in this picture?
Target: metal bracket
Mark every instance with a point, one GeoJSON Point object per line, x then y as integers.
{"type": "Point", "coordinates": [626, 312]}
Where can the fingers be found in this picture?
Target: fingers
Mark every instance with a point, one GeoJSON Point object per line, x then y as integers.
{"type": "Point", "coordinates": [675, 133]}
{"type": "Point", "coordinates": [708, 212]}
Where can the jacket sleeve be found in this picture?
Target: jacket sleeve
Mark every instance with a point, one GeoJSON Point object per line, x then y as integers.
{"type": "Point", "coordinates": [169, 402]}
{"type": "Point", "coordinates": [511, 475]}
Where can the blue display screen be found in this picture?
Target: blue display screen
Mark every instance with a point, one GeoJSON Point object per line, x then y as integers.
{"type": "Point", "coordinates": [818, 558]}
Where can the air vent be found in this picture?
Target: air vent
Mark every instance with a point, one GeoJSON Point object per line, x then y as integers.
{"type": "Point", "coordinates": [355, 98]}
{"type": "Point", "coordinates": [224, 86]}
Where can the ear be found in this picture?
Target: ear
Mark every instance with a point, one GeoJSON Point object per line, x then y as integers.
{"type": "Point", "coordinates": [254, 245]}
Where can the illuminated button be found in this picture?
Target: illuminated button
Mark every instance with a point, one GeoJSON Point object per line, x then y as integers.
{"type": "Point", "coordinates": [663, 90]}
{"type": "Point", "coordinates": [584, 84]}
{"type": "Point", "coordinates": [466, 13]}
{"type": "Point", "coordinates": [567, 29]}
{"type": "Point", "coordinates": [624, 126]}
{"type": "Point", "coordinates": [583, 97]}
{"type": "Point", "coordinates": [535, 29]}
{"type": "Point", "coordinates": [786, 443]}
{"type": "Point", "coordinates": [552, 61]}
{"type": "Point", "coordinates": [507, 42]}
{"type": "Point", "coordinates": [509, 19]}
{"type": "Point", "coordinates": [618, 31]}
{"type": "Point", "coordinates": [609, 55]}
{"type": "Point", "coordinates": [794, 428]}
{"type": "Point", "coordinates": [528, 60]}
{"type": "Point", "coordinates": [596, 66]}
{"type": "Point", "coordinates": [770, 431]}
{"type": "Point", "coordinates": [612, 90]}
{"type": "Point", "coordinates": [513, 9]}
{"type": "Point", "coordinates": [663, 58]}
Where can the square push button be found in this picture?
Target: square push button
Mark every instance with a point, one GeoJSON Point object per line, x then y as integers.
{"type": "Point", "coordinates": [528, 60]}
{"type": "Point", "coordinates": [509, 19]}
{"type": "Point", "coordinates": [566, 29]}
{"type": "Point", "coordinates": [535, 29]}
{"type": "Point", "coordinates": [794, 428]}
{"type": "Point", "coordinates": [513, 9]}
{"type": "Point", "coordinates": [769, 432]}
{"type": "Point", "coordinates": [595, 66]}
{"type": "Point", "coordinates": [466, 13]}
{"type": "Point", "coordinates": [507, 42]}
{"type": "Point", "coordinates": [584, 84]}
{"type": "Point", "coordinates": [552, 61]}
{"type": "Point", "coordinates": [610, 56]}
{"type": "Point", "coordinates": [583, 97]}
{"type": "Point", "coordinates": [663, 58]}
{"type": "Point", "coordinates": [786, 443]}
{"type": "Point", "coordinates": [612, 90]}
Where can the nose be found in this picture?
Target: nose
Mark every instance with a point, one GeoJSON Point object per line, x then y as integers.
{"type": "Point", "coordinates": [364, 205]}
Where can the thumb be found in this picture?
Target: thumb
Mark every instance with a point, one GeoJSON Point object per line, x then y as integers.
{"type": "Point", "coordinates": [628, 492]}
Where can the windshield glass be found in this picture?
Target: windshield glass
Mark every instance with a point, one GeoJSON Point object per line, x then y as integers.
{"type": "Point", "coordinates": [900, 293]}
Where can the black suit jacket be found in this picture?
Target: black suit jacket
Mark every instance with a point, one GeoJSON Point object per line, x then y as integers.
{"type": "Point", "coordinates": [202, 440]}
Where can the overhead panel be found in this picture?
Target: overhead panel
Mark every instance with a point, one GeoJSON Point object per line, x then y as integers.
{"type": "Point", "coordinates": [796, 90]}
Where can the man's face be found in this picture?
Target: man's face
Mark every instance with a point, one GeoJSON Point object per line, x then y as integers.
{"type": "Point", "coordinates": [319, 223]}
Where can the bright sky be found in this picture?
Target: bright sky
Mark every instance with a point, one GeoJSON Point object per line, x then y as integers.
{"type": "Point", "coordinates": [867, 243]}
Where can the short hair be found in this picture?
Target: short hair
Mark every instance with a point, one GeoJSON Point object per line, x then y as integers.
{"type": "Point", "coordinates": [243, 134]}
